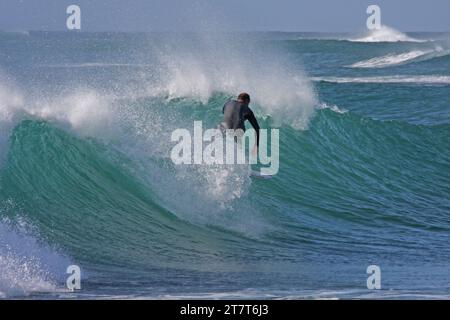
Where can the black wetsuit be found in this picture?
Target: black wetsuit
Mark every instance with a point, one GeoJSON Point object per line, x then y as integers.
{"type": "Point", "coordinates": [234, 115]}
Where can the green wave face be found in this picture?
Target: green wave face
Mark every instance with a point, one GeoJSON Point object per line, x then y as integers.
{"type": "Point", "coordinates": [91, 200]}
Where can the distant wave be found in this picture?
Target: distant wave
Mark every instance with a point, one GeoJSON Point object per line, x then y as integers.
{"type": "Point", "coordinates": [402, 58]}
{"type": "Point", "coordinates": [431, 79]}
{"type": "Point", "coordinates": [386, 34]}
{"type": "Point", "coordinates": [390, 60]}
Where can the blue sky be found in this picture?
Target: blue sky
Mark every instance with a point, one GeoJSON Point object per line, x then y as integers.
{"type": "Point", "coordinates": [247, 15]}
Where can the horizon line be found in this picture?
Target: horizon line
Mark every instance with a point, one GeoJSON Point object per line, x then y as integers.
{"type": "Point", "coordinates": [222, 31]}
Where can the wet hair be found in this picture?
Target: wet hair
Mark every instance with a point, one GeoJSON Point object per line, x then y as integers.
{"type": "Point", "coordinates": [244, 97]}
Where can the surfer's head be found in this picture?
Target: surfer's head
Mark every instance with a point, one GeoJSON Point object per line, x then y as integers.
{"type": "Point", "coordinates": [244, 98]}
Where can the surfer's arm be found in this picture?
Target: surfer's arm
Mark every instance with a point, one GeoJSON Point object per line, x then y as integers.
{"type": "Point", "coordinates": [226, 103]}
{"type": "Point", "coordinates": [251, 118]}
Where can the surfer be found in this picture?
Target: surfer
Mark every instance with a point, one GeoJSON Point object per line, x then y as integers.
{"type": "Point", "coordinates": [236, 112]}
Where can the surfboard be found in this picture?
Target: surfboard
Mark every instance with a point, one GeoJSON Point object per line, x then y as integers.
{"type": "Point", "coordinates": [258, 175]}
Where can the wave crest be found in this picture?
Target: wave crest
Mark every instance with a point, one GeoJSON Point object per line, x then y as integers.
{"type": "Point", "coordinates": [277, 90]}
{"type": "Point", "coordinates": [386, 34]}
{"type": "Point", "coordinates": [396, 79]}
{"type": "Point", "coordinates": [391, 60]}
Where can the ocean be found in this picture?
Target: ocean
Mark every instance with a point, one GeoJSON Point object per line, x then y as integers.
{"type": "Point", "coordinates": [86, 176]}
